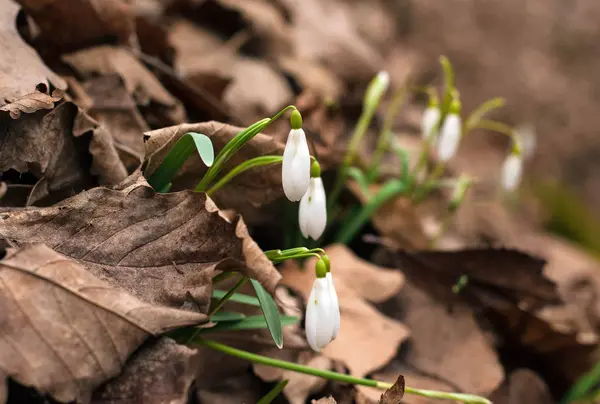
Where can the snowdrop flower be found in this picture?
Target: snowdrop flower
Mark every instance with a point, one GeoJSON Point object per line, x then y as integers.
{"type": "Point", "coordinates": [322, 310]}
{"type": "Point", "coordinates": [430, 119]}
{"type": "Point", "coordinates": [334, 298]}
{"type": "Point", "coordinates": [295, 168]}
{"type": "Point", "coordinates": [527, 136]}
{"type": "Point", "coordinates": [512, 170]}
{"type": "Point", "coordinates": [450, 133]}
{"type": "Point", "coordinates": [312, 215]}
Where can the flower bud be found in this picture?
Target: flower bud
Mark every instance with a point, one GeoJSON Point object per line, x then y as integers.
{"type": "Point", "coordinates": [295, 168]}
{"type": "Point", "coordinates": [375, 90]}
{"type": "Point", "coordinates": [312, 215]}
{"type": "Point", "coordinates": [450, 133]}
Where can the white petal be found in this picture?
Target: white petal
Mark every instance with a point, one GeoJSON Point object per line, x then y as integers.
{"type": "Point", "coordinates": [319, 316]}
{"type": "Point", "coordinates": [430, 119]}
{"type": "Point", "coordinates": [511, 172]}
{"type": "Point", "coordinates": [449, 137]}
{"type": "Point", "coordinates": [312, 215]}
{"type": "Point", "coordinates": [335, 307]}
{"type": "Point", "coordinates": [295, 168]}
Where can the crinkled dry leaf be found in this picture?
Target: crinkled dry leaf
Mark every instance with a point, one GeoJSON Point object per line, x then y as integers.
{"type": "Point", "coordinates": [162, 248]}
{"type": "Point", "coordinates": [522, 386]}
{"type": "Point", "coordinates": [21, 69]}
{"type": "Point", "coordinates": [394, 394]}
{"type": "Point", "coordinates": [32, 102]}
{"type": "Point", "coordinates": [161, 371]}
{"type": "Point", "coordinates": [324, 400]}
{"type": "Point", "coordinates": [138, 80]}
{"type": "Point", "coordinates": [412, 378]}
{"type": "Point", "coordinates": [367, 339]}
{"type": "Point", "coordinates": [72, 24]}
{"type": "Point", "coordinates": [65, 330]}
{"type": "Point", "coordinates": [54, 146]}
{"type": "Point", "coordinates": [259, 186]}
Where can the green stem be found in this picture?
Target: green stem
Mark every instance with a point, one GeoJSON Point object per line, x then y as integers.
{"type": "Point", "coordinates": [477, 115]}
{"type": "Point", "coordinates": [349, 229]}
{"type": "Point", "coordinates": [496, 127]}
{"type": "Point", "coordinates": [340, 377]}
{"type": "Point", "coordinates": [222, 276]}
{"type": "Point", "coordinates": [227, 296]}
{"type": "Point", "coordinates": [245, 166]}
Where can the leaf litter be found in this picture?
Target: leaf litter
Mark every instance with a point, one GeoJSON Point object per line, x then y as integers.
{"type": "Point", "coordinates": [93, 90]}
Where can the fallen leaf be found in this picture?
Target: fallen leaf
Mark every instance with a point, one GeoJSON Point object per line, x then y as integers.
{"type": "Point", "coordinates": [394, 394]}
{"type": "Point", "coordinates": [162, 248]}
{"type": "Point", "coordinates": [67, 331]}
{"type": "Point", "coordinates": [55, 146]}
{"type": "Point", "coordinates": [324, 400]}
{"type": "Point", "coordinates": [363, 328]}
{"type": "Point", "coordinates": [31, 102]}
{"type": "Point", "coordinates": [522, 386]}
{"type": "Point", "coordinates": [415, 379]}
{"type": "Point", "coordinates": [160, 371]}
{"type": "Point", "coordinates": [73, 24]}
{"type": "Point", "coordinates": [259, 186]}
{"type": "Point", "coordinates": [21, 69]}
{"type": "Point", "coordinates": [138, 80]}
{"type": "Point", "coordinates": [313, 77]}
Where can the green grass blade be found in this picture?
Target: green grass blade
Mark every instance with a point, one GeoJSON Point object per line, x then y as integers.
{"type": "Point", "coordinates": [223, 316]}
{"type": "Point", "coordinates": [236, 297]}
{"type": "Point", "coordinates": [178, 154]}
{"type": "Point", "coordinates": [270, 396]}
{"type": "Point", "coordinates": [249, 323]}
{"type": "Point", "coordinates": [270, 311]}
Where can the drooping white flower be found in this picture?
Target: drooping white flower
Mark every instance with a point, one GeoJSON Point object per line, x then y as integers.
{"type": "Point", "coordinates": [512, 170]}
{"type": "Point", "coordinates": [449, 137]}
{"type": "Point", "coordinates": [295, 168]}
{"type": "Point", "coordinates": [335, 308]}
{"type": "Point", "coordinates": [429, 121]}
{"type": "Point", "coordinates": [312, 215]}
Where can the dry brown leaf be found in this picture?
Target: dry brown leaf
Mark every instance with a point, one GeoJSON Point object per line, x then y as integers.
{"type": "Point", "coordinates": [324, 400]}
{"type": "Point", "coordinates": [54, 146]}
{"type": "Point", "coordinates": [367, 339]}
{"type": "Point", "coordinates": [67, 331]}
{"type": "Point", "coordinates": [412, 379]}
{"type": "Point", "coordinates": [138, 80]}
{"type": "Point", "coordinates": [161, 371]}
{"type": "Point", "coordinates": [162, 248]}
{"type": "Point", "coordinates": [259, 186]}
{"type": "Point", "coordinates": [394, 394]}
{"type": "Point", "coordinates": [21, 69]}
{"type": "Point", "coordinates": [522, 386]}
{"type": "Point", "coordinates": [313, 77]}
{"type": "Point", "coordinates": [71, 24]}
{"type": "Point", "coordinates": [32, 102]}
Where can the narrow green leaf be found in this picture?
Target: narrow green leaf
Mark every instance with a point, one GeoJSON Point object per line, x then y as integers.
{"type": "Point", "coordinates": [362, 181]}
{"type": "Point", "coordinates": [270, 311]}
{"type": "Point", "coordinates": [226, 316]}
{"type": "Point", "coordinates": [248, 323]}
{"type": "Point", "coordinates": [178, 154]}
{"type": "Point", "coordinates": [275, 391]}
{"type": "Point", "coordinates": [236, 297]}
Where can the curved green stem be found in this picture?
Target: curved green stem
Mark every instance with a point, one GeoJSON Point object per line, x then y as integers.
{"type": "Point", "coordinates": [478, 113]}
{"type": "Point", "coordinates": [495, 126]}
{"type": "Point", "coordinates": [245, 166]}
{"type": "Point", "coordinates": [349, 229]}
{"type": "Point", "coordinates": [340, 377]}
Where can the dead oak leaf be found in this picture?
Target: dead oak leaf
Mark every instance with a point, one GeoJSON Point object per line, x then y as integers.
{"type": "Point", "coordinates": [162, 248]}
{"type": "Point", "coordinates": [65, 331]}
{"type": "Point", "coordinates": [367, 339]}
{"type": "Point", "coordinates": [259, 186]}
{"type": "Point", "coordinates": [32, 102]}
{"type": "Point", "coordinates": [21, 69]}
{"type": "Point", "coordinates": [394, 394]}
{"type": "Point", "coordinates": [161, 371]}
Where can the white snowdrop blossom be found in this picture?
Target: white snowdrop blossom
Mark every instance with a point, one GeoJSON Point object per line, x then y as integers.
{"type": "Point", "coordinates": [512, 171]}
{"type": "Point", "coordinates": [312, 215]}
{"type": "Point", "coordinates": [449, 137]}
{"type": "Point", "coordinates": [336, 306]}
{"type": "Point", "coordinates": [295, 168]}
{"type": "Point", "coordinates": [429, 121]}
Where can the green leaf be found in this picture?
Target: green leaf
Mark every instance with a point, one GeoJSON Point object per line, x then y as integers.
{"type": "Point", "coordinates": [226, 316]}
{"type": "Point", "coordinates": [360, 179]}
{"type": "Point", "coordinates": [249, 323]}
{"type": "Point", "coordinates": [403, 156]}
{"type": "Point", "coordinates": [275, 391]}
{"type": "Point", "coordinates": [178, 154]}
{"type": "Point", "coordinates": [270, 311]}
{"type": "Point", "coordinates": [236, 297]}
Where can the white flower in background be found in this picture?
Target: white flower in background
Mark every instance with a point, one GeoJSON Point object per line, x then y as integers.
{"type": "Point", "coordinates": [512, 170]}
{"type": "Point", "coordinates": [429, 121]}
{"type": "Point", "coordinates": [375, 90]}
{"type": "Point", "coordinates": [450, 133]}
{"type": "Point", "coordinates": [526, 134]}
{"type": "Point", "coordinates": [322, 310]}
{"type": "Point", "coordinates": [295, 168]}
{"type": "Point", "coordinates": [312, 214]}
